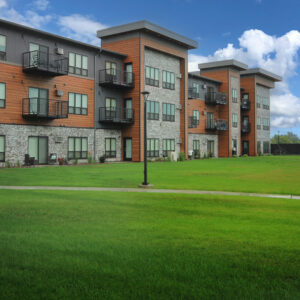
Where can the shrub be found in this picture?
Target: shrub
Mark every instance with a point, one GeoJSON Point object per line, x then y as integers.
{"type": "Point", "coordinates": [102, 159]}
{"type": "Point", "coordinates": [8, 164]}
{"type": "Point", "coordinates": [90, 159]}
{"type": "Point", "coordinates": [60, 161]}
{"type": "Point", "coordinates": [181, 156]}
{"type": "Point", "coordinates": [18, 164]}
{"type": "Point", "coordinates": [196, 154]}
{"type": "Point", "coordinates": [245, 155]}
{"type": "Point", "coordinates": [75, 161]}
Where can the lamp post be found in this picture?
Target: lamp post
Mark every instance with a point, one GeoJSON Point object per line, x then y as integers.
{"type": "Point", "coordinates": [145, 183]}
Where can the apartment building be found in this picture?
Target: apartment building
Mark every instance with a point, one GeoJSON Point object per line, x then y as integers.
{"type": "Point", "coordinates": [229, 109]}
{"type": "Point", "coordinates": [75, 100]}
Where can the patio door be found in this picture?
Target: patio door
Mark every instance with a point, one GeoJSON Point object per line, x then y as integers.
{"type": "Point", "coordinates": [128, 149]}
{"type": "Point", "coordinates": [128, 113]}
{"type": "Point", "coordinates": [38, 101]}
{"type": "Point", "coordinates": [38, 55]}
{"type": "Point", "coordinates": [38, 148]}
{"type": "Point", "coordinates": [211, 148]}
{"type": "Point", "coordinates": [128, 75]}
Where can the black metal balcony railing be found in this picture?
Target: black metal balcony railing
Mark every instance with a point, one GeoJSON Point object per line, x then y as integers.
{"type": "Point", "coordinates": [116, 78]}
{"type": "Point", "coordinates": [215, 98]}
{"type": "Point", "coordinates": [216, 125]}
{"type": "Point", "coordinates": [43, 62]}
{"type": "Point", "coordinates": [2, 55]}
{"type": "Point", "coordinates": [245, 127]}
{"type": "Point", "coordinates": [193, 94]}
{"type": "Point", "coordinates": [116, 116]}
{"type": "Point", "coordinates": [193, 122]}
{"type": "Point", "coordinates": [245, 104]}
{"type": "Point", "coordinates": [39, 108]}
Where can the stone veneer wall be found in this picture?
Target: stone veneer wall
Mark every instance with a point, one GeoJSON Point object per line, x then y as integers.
{"type": "Point", "coordinates": [16, 140]}
{"type": "Point", "coordinates": [203, 138]}
{"type": "Point", "coordinates": [162, 129]}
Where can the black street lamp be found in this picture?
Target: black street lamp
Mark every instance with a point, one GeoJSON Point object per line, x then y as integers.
{"type": "Point", "coordinates": [145, 183]}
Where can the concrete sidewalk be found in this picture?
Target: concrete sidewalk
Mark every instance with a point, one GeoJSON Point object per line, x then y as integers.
{"type": "Point", "coordinates": [141, 190]}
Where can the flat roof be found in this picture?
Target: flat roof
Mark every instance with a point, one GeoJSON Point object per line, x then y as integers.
{"type": "Point", "coordinates": [23, 27]}
{"type": "Point", "coordinates": [262, 72]}
{"type": "Point", "coordinates": [223, 63]}
{"type": "Point", "coordinates": [197, 74]}
{"type": "Point", "coordinates": [149, 27]}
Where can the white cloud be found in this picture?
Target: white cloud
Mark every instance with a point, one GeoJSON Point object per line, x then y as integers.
{"type": "Point", "coordinates": [3, 3]}
{"type": "Point", "coordinates": [40, 4]}
{"type": "Point", "coordinates": [81, 28]}
{"type": "Point", "coordinates": [276, 54]}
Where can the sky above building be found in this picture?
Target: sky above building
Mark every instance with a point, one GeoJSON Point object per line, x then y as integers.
{"type": "Point", "coordinates": [261, 33]}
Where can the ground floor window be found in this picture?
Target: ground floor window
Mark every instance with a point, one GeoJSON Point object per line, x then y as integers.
{"type": "Point", "coordinates": [168, 145]}
{"type": "Point", "coordinates": [110, 148]}
{"type": "Point", "coordinates": [196, 148]}
{"type": "Point", "coordinates": [152, 147]}
{"type": "Point", "coordinates": [234, 147]}
{"type": "Point", "coordinates": [266, 146]}
{"type": "Point", "coordinates": [2, 148]}
{"type": "Point", "coordinates": [210, 148]}
{"type": "Point", "coordinates": [78, 147]}
{"type": "Point", "coordinates": [258, 147]}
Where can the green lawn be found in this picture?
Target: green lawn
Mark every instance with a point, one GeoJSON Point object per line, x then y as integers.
{"type": "Point", "coordinates": [253, 174]}
{"type": "Point", "coordinates": [91, 245]}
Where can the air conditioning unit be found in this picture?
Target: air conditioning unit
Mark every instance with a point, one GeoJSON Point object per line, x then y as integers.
{"type": "Point", "coordinates": [180, 141]}
{"type": "Point", "coordinates": [179, 76]}
{"type": "Point", "coordinates": [179, 107]}
{"type": "Point", "coordinates": [58, 139]}
{"type": "Point", "coordinates": [204, 86]}
{"type": "Point", "coordinates": [59, 93]}
{"type": "Point", "coordinates": [60, 51]}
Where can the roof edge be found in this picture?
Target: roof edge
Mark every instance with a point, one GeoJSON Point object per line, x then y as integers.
{"type": "Point", "coordinates": [223, 63]}
{"type": "Point", "coordinates": [262, 72]}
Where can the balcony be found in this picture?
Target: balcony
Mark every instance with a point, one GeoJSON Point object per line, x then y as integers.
{"type": "Point", "coordinates": [245, 127]}
{"type": "Point", "coordinates": [193, 94]}
{"type": "Point", "coordinates": [213, 125]}
{"type": "Point", "coordinates": [215, 98]}
{"type": "Point", "coordinates": [38, 62]}
{"type": "Point", "coordinates": [116, 116]}
{"type": "Point", "coordinates": [116, 78]}
{"type": "Point", "coordinates": [245, 104]}
{"type": "Point", "coordinates": [38, 108]}
{"type": "Point", "coordinates": [193, 122]}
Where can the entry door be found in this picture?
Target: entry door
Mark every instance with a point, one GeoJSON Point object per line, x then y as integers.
{"type": "Point", "coordinates": [128, 75]}
{"type": "Point", "coordinates": [210, 148]}
{"type": "Point", "coordinates": [127, 149]}
{"type": "Point", "coordinates": [38, 55]}
{"type": "Point", "coordinates": [38, 101]}
{"type": "Point", "coordinates": [38, 148]}
{"type": "Point", "coordinates": [246, 147]}
{"type": "Point", "coordinates": [128, 113]}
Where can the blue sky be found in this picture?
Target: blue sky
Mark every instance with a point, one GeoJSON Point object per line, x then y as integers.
{"type": "Point", "coordinates": [262, 33]}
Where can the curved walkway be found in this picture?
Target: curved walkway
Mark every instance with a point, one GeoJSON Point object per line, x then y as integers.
{"type": "Point", "coordinates": [143, 190]}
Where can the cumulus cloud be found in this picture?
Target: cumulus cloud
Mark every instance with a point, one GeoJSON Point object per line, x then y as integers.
{"type": "Point", "coordinates": [276, 54]}
{"type": "Point", "coordinates": [41, 4]}
{"type": "Point", "coordinates": [81, 28]}
{"type": "Point", "coordinates": [3, 3]}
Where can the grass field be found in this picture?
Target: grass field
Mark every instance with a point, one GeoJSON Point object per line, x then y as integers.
{"type": "Point", "coordinates": [91, 245]}
{"type": "Point", "coordinates": [253, 174]}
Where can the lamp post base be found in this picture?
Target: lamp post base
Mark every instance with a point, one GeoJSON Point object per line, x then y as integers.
{"type": "Point", "coordinates": [146, 186]}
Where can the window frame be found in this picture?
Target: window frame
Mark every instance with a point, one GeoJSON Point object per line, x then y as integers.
{"type": "Point", "coordinates": [4, 147]}
{"type": "Point", "coordinates": [258, 101]}
{"type": "Point", "coordinates": [265, 103]}
{"type": "Point", "coordinates": [165, 143]}
{"type": "Point", "coordinates": [152, 152]}
{"type": "Point", "coordinates": [197, 142]}
{"type": "Point", "coordinates": [81, 156]}
{"type": "Point", "coordinates": [82, 71]}
{"type": "Point", "coordinates": [234, 98]}
{"type": "Point", "coordinates": [3, 53]}
{"type": "Point", "coordinates": [266, 124]}
{"type": "Point", "coordinates": [168, 84]}
{"type": "Point", "coordinates": [110, 153]}
{"type": "Point", "coordinates": [234, 123]}
{"type": "Point", "coordinates": [168, 117]}
{"type": "Point", "coordinates": [149, 80]}
{"type": "Point", "coordinates": [196, 114]}
{"type": "Point", "coordinates": [4, 100]}
{"type": "Point", "coordinates": [258, 122]}
{"type": "Point", "coordinates": [150, 114]}
{"type": "Point", "coordinates": [74, 107]}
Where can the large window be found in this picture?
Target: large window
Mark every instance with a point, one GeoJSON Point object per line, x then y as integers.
{"type": "Point", "coordinates": [78, 148]}
{"type": "Point", "coordinates": [110, 148]}
{"type": "Point", "coordinates": [234, 95]}
{"type": "Point", "coordinates": [258, 123]}
{"type": "Point", "coordinates": [2, 47]}
{"type": "Point", "coordinates": [2, 94]}
{"type": "Point", "coordinates": [110, 108]}
{"type": "Point", "coordinates": [168, 80]}
{"type": "Point", "coordinates": [152, 110]}
{"type": "Point", "coordinates": [78, 64]}
{"type": "Point", "coordinates": [258, 100]}
{"type": "Point", "coordinates": [196, 145]}
{"type": "Point", "coordinates": [168, 112]}
{"type": "Point", "coordinates": [196, 116]}
{"type": "Point", "coordinates": [2, 148]}
{"type": "Point", "coordinates": [110, 68]}
{"type": "Point", "coordinates": [152, 147]}
{"type": "Point", "coordinates": [266, 147]}
{"type": "Point", "coordinates": [234, 120]}
{"type": "Point", "coordinates": [152, 76]}
{"type": "Point", "coordinates": [78, 104]}
{"type": "Point", "coordinates": [196, 90]}
{"type": "Point", "coordinates": [168, 145]}
{"type": "Point", "coordinates": [266, 124]}
{"type": "Point", "coordinates": [266, 103]}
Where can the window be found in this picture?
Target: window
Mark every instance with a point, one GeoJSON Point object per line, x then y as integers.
{"type": "Point", "coordinates": [78, 147]}
{"type": "Point", "coordinates": [168, 145]}
{"type": "Point", "coordinates": [258, 147]}
{"type": "Point", "coordinates": [196, 89]}
{"type": "Point", "coordinates": [152, 147]}
{"type": "Point", "coordinates": [110, 108]}
{"type": "Point", "coordinates": [266, 124]}
{"type": "Point", "coordinates": [266, 104]}
{"type": "Point", "coordinates": [210, 148]}
{"type": "Point", "coordinates": [196, 145]}
{"type": "Point", "coordinates": [2, 94]}
{"type": "Point", "coordinates": [258, 123]}
{"type": "Point", "coordinates": [2, 47]}
{"type": "Point", "coordinates": [234, 120]}
{"type": "Point", "coordinates": [258, 100]}
{"type": "Point", "coordinates": [78, 64]}
{"type": "Point", "coordinates": [234, 147]}
{"type": "Point", "coordinates": [152, 110]}
{"type": "Point", "coordinates": [196, 116]}
{"type": "Point", "coordinates": [110, 68]}
{"type": "Point", "coordinates": [152, 76]}
{"type": "Point", "coordinates": [168, 80]}
{"type": "Point", "coordinates": [2, 148]}
{"type": "Point", "coordinates": [266, 147]}
{"type": "Point", "coordinates": [234, 95]}
{"type": "Point", "coordinates": [110, 148]}
{"type": "Point", "coordinates": [78, 104]}
{"type": "Point", "coordinates": [168, 112]}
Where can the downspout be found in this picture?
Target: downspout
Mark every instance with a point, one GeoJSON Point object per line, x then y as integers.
{"type": "Point", "coordinates": [95, 101]}
{"type": "Point", "coordinates": [140, 87]}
